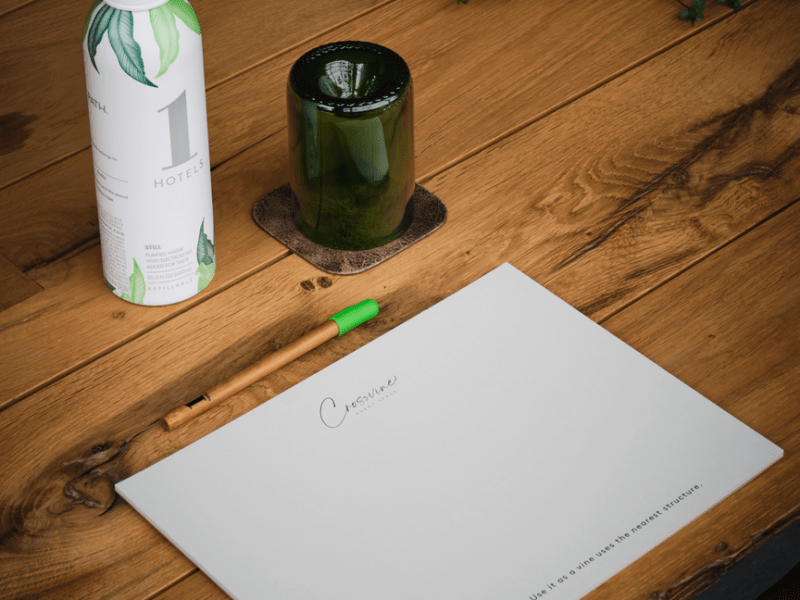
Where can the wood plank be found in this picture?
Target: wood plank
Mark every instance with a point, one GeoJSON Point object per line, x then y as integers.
{"type": "Point", "coordinates": [249, 108]}
{"type": "Point", "coordinates": [634, 167]}
{"type": "Point", "coordinates": [705, 319]}
{"type": "Point", "coordinates": [768, 274]}
{"type": "Point", "coordinates": [7, 6]}
{"type": "Point", "coordinates": [76, 319]}
{"type": "Point", "coordinates": [15, 286]}
{"type": "Point", "coordinates": [104, 416]}
{"type": "Point", "coordinates": [728, 328]}
{"type": "Point", "coordinates": [44, 94]}
{"type": "Point", "coordinates": [195, 587]}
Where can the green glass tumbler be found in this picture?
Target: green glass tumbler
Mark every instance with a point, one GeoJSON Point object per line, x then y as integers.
{"type": "Point", "coordinates": [351, 145]}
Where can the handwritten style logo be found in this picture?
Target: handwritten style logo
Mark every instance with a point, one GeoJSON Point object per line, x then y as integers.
{"type": "Point", "coordinates": [333, 414]}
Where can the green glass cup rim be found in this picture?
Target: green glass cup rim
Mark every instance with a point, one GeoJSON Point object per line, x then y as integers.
{"type": "Point", "coordinates": [386, 94]}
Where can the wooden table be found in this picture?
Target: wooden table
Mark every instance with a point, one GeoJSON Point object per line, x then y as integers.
{"type": "Point", "coordinates": [646, 171]}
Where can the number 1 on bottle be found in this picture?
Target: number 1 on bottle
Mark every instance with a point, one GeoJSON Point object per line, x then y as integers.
{"type": "Point", "coordinates": [178, 131]}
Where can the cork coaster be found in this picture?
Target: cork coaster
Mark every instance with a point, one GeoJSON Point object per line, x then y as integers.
{"type": "Point", "coordinates": [273, 213]}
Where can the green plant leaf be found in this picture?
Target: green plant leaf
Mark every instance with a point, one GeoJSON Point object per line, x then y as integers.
{"type": "Point", "coordinates": [206, 272]}
{"type": "Point", "coordinates": [166, 33]}
{"type": "Point", "coordinates": [137, 284]}
{"type": "Point", "coordinates": [111, 287]}
{"type": "Point", "coordinates": [211, 253]}
{"type": "Point", "coordinates": [201, 244]}
{"type": "Point", "coordinates": [97, 29]}
{"type": "Point", "coordinates": [185, 13]}
{"type": "Point", "coordinates": [206, 260]}
{"type": "Point", "coordinates": [128, 51]}
{"type": "Point", "coordinates": [205, 249]}
{"type": "Point", "coordinates": [91, 10]}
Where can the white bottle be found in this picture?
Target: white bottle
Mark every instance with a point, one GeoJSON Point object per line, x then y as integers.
{"type": "Point", "coordinates": [147, 111]}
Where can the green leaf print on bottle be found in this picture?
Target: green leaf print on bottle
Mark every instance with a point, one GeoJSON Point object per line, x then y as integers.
{"type": "Point", "coordinates": [138, 287]}
{"type": "Point", "coordinates": [166, 31]}
{"type": "Point", "coordinates": [97, 29]}
{"type": "Point", "coordinates": [89, 17]}
{"type": "Point", "coordinates": [129, 53]}
{"type": "Point", "coordinates": [206, 260]}
{"type": "Point", "coordinates": [119, 25]}
{"type": "Point", "coordinates": [165, 28]}
{"type": "Point", "coordinates": [185, 13]}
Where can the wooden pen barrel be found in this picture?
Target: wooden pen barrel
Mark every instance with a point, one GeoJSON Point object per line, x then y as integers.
{"type": "Point", "coordinates": [249, 376]}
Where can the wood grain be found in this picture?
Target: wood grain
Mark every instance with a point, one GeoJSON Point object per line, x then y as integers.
{"type": "Point", "coordinates": [195, 587]}
{"type": "Point", "coordinates": [67, 444]}
{"type": "Point", "coordinates": [524, 74]}
{"type": "Point", "coordinates": [44, 93]}
{"type": "Point", "coordinates": [104, 436]}
{"type": "Point", "coordinates": [15, 286]}
{"type": "Point", "coordinates": [692, 326]}
{"type": "Point", "coordinates": [733, 339]}
{"type": "Point", "coordinates": [7, 6]}
{"type": "Point", "coordinates": [252, 374]}
{"type": "Point", "coordinates": [647, 169]}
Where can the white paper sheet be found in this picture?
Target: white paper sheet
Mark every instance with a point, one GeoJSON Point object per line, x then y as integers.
{"type": "Point", "coordinates": [500, 445]}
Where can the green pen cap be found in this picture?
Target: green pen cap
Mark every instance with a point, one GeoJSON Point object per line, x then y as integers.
{"type": "Point", "coordinates": [355, 315]}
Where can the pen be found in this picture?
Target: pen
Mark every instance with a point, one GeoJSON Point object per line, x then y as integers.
{"type": "Point", "coordinates": [337, 325]}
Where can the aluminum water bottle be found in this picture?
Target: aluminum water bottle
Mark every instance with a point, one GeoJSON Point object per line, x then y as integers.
{"type": "Point", "coordinates": [147, 112]}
